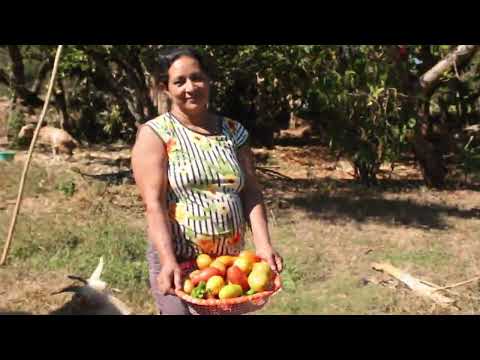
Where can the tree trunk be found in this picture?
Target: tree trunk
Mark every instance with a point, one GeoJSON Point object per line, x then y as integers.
{"type": "Point", "coordinates": [61, 104]}
{"type": "Point", "coordinates": [428, 153]}
{"type": "Point", "coordinates": [4, 78]}
{"type": "Point", "coordinates": [104, 81]}
{"type": "Point", "coordinates": [44, 69]}
{"type": "Point", "coordinates": [18, 84]}
{"type": "Point", "coordinates": [132, 101]}
{"type": "Point", "coordinates": [431, 162]}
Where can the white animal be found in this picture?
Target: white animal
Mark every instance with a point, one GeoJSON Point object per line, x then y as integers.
{"type": "Point", "coordinates": [93, 298]}
{"type": "Point", "coordinates": [58, 139]}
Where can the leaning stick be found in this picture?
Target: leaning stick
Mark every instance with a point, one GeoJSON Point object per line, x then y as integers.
{"type": "Point", "coordinates": [476, 278]}
{"type": "Point", "coordinates": [29, 158]}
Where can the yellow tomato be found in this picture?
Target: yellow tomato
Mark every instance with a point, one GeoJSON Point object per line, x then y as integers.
{"type": "Point", "coordinates": [262, 267]}
{"type": "Point", "coordinates": [249, 254]}
{"type": "Point", "coordinates": [188, 286]}
{"type": "Point", "coordinates": [227, 260]}
{"type": "Point", "coordinates": [258, 281]}
{"type": "Point", "coordinates": [219, 265]}
{"type": "Point", "coordinates": [230, 291]}
{"type": "Point", "coordinates": [243, 264]}
{"type": "Point", "coordinates": [215, 284]}
{"type": "Point", "coordinates": [203, 261]}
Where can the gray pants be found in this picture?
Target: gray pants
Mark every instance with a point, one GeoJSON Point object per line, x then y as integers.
{"type": "Point", "coordinates": [166, 304]}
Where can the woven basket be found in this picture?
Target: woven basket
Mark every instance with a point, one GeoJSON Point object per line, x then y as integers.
{"type": "Point", "coordinates": [236, 306]}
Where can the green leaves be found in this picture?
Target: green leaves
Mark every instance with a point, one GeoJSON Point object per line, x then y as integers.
{"type": "Point", "coordinates": [199, 291]}
{"type": "Point", "coordinates": [359, 92]}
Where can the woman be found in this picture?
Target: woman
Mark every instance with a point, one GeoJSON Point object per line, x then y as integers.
{"type": "Point", "coordinates": [195, 173]}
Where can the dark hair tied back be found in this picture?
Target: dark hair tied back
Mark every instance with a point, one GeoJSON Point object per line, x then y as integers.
{"type": "Point", "coordinates": [168, 57]}
{"type": "Point", "coordinates": [160, 69]}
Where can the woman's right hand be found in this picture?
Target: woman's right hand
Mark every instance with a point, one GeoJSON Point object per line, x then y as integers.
{"type": "Point", "coordinates": [150, 168]}
{"type": "Point", "coordinates": [169, 278]}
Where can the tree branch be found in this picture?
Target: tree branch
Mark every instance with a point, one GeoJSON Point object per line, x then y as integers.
{"type": "Point", "coordinates": [61, 102]}
{"type": "Point", "coordinates": [134, 71]}
{"type": "Point", "coordinates": [18, 81]}
{"type": "Point", "coordinates": [104, 80]}
{"type": "Point", "coordinates": [131, 100]}
{"type": "Point", "coordinates": [457, 56]}
{"type": "Point", "coordinates": [42, 74]}
{"type": "Point", "coordinates": [4, 77]}
{"type": "Point", "coordinates": [18, 69]}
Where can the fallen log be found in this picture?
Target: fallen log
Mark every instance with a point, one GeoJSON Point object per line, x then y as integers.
{"type": "Point", "coordinates": [419, 287]}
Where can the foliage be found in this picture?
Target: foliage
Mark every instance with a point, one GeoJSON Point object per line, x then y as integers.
{"type": "Point", "coordinates": [68, 188]}
{"type": "Point", "coordinates": [363, 99]}
{"type": "Point", "coordinates": [16, 121]}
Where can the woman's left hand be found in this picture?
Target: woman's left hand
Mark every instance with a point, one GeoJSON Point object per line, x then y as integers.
{"type": "Point", "coordinates": [272, 258]}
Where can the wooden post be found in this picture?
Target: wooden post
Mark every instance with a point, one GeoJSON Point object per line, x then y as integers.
{"type": "Point", "coordinates": [29, 158]}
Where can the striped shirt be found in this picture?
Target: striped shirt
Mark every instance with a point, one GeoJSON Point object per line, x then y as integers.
{"type": "Point", "coordinates": [204, 184]}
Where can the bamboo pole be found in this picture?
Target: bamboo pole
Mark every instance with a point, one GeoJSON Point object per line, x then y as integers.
{"type": "Point", "coordinates": [11, 230]}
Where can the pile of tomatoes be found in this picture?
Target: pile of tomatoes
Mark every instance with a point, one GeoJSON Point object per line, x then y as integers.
{"type": "Point", "coordinates": [227, 277]}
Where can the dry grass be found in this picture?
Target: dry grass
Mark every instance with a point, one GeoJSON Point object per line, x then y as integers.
{"type": "Point", "coordinates": [328, 229]}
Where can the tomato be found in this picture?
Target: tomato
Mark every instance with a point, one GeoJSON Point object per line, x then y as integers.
{"type": "Point", "coordinates": [194, 273]}
{"type": "Point", "coordinates": [215, 284]}
{"type": "Point", "coordinates": [244, 264]}
{"type": "Point", "coordinates": [258, 281]}
{"type": "Point", "coordinates": [188, 286]}
{"type": "Point", "coordinates": [262, 267]}
{"type": "Point", "coordinates": [227, 260]}
{"type": "Point", "coordinates": [230, 291]}
{"type": "Point", "coordinates": [203, 261]}
{"type": "Point", "coordinates": [205, 274]}
{"type": "Point", "coordinates": [237, 277]}
{"type": "Point", "coordinates": [220, 266]}
{"type": "Point", "coordinates": [250, 255]}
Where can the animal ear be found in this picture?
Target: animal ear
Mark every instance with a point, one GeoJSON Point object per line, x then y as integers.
{"type": "Point", "coordinates": [98, 271]}
{"type": "Point", "coordinates": [71, 288]}
{"type": "Point", "coordinates": [82, 280]}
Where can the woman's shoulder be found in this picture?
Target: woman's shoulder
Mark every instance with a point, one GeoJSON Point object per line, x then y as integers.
{"type": "Point", "coordinates": [159, 121]}
{"type": "Point", "coordinates": [237, 131]}
{"type": "Point", "coordinates": [161, 126]}
{"type": "Point", "coordinates": [233, 125]}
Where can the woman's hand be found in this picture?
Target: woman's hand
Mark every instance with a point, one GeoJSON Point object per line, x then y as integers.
{"type": "Point", "coordinates": [169, 278]}
{"type": "Point", "coordinates": [271, 257]}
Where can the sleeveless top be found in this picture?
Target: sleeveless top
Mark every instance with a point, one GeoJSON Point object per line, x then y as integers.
{"type": "Point", "coordinates": [204, 184]}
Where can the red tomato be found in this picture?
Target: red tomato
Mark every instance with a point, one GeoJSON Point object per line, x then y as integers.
{"type": "Point", "coordinates": [205, 274]}
{"type": "Point", "coordinates": [237, 277]}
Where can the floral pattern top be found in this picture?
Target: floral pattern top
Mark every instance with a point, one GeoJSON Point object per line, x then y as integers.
{"type": "Point", "coordinates": [205, 180]}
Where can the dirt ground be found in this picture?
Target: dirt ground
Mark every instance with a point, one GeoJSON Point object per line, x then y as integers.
{"type": "Point", "coordinates": [329, 229]}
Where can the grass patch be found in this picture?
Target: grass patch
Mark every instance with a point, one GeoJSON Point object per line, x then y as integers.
{"type": "Point", "coordinates": [10, 179]}
{"type": "Point", "coordinates": [77, 249]}
{"type": "Point", "coordinates": [328, 238]}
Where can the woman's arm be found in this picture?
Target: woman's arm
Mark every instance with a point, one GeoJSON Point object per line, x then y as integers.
{"type": "Point", "coordinates": [149, 164]}
{"type": "Point", "coordinates": [255, 210]}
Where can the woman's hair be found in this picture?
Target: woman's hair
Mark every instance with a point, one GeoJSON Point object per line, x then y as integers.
{"type": "Point", "coordinates": [162, 66]}
{"type": "Point", "coordinates": [166, 59]}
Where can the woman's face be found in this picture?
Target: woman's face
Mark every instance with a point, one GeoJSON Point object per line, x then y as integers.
{"type": "Point", "coordinates": [188, 86]}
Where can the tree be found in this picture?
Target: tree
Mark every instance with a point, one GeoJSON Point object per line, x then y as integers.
{"type": "Point", "coordinates": [371, 102]}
